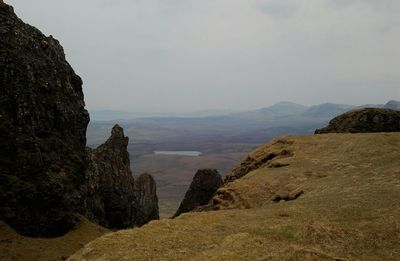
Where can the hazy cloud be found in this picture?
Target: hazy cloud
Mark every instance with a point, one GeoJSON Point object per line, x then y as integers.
{"type": "Point", "coordinates": [278, 8]}
{"type": "Point", "coordinates": [185, 55]}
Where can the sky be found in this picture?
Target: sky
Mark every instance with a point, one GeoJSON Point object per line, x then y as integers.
{"type": "Point", "coordinates": [194, 55]}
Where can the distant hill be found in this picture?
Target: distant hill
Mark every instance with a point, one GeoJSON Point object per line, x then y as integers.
{"type": "Point", "coordinates": [394, 105]}
{"type": "Point", "coordinates": [327, 110]}
{"type": "Point", "coordinates": [285, 114]}
{"type": "Point", "coordinates": [190, 133]}
{"type": "Point", "coordinates": [283, 109]}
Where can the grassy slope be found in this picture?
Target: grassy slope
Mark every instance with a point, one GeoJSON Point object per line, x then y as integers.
{"type": "Point", "coordinates": [350, 210]}
{"type": "Point", "coordinates": [16, 247]}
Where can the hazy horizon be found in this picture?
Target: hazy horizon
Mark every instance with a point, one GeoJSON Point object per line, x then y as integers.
{"type": "Point", "coordinates": [181, 56]}
{"type": "Point", "coordinates": [216, 111]}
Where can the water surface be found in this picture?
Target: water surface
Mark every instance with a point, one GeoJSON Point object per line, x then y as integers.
{"type": "Point", "coordinates": [178, 153]}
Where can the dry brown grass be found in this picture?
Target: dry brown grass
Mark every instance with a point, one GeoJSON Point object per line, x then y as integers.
{"type": "Point", "coordinates": [350, 210]}
{"type": "Point", "coordinates": [16, 247]}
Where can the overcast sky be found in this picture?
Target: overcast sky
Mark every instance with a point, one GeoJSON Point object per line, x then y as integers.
{"type": "Point", "coordinates": [188, 55]}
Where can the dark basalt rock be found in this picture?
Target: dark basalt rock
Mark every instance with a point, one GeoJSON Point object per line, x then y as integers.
{"type": "Point", "coordinates": [42, 131]}
{"type": "Point", "coordinates": [203, 187]}
{"type": "Point", "coordinates": [111, 199]}
{"type": "Point", "coordinates": [47, 175]}
{"type": "Point", "coordinates": [147, 199]}
{"type": "Point", "coordinates": [364, 121]}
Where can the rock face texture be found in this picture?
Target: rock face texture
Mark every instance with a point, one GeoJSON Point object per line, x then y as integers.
{"type": "Point", "coordinates": [42, 130]}
{"type": "Point", "coordinates": [204, 185]}
{"type": "Point", "coordinates": [147, 199]}
{"type": "Point", "coordinates": [363, 121]}
{"type": "Point", "coordinates": [114, 199]}
{"type": "Point", "coordinates": [47, 175]}
{"type": "Point", "coordinates": [111, 199]}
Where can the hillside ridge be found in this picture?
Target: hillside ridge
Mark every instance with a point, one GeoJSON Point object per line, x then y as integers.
{"type": "Point", "coordinates": [334, 198]}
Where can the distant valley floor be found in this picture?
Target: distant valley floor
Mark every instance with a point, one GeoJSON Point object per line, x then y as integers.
{"type": "Point", "coordinates": [221, 147]}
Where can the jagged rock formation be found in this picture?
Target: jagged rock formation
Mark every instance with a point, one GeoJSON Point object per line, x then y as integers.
{"type": "Point", "coordinates": [42, 131]}
{"type": "Point", "coordinates": [147, 199]}
{"type": "Point", "coordinates": [363, 121]}
{"type": "Point", "coordinates": [204, 185]}
{"type": "Point", "coordinates": [47, 175]}
{"type": "Point", "coordinates": [111, 199]}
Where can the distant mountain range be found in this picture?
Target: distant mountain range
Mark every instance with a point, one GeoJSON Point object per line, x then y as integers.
{"type": "Point", "coordinates": [323, 110]}
{"type": "Point", "coordinates": [277, 111]}
{"type": "Point", "coordinates": [193, 133]}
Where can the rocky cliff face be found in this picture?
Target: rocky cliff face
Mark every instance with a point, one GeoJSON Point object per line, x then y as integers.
{"type": "Point", "coordinates": [203, 187]}
{"type": "Point", "coordinates": [47, 175]}
{"type": "Point", "coordinates": [42, 130]}
{"type": "Point", "coordinates": [364, 120]}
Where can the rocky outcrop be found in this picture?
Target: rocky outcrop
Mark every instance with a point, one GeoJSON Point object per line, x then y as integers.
{"type": "Point", "coordinates": [364, 121]}
{"type": "Point", "coordinates": [42, 131]}
{"type": "Point", "coordinates": [261, 158]}
{"type": "Point", "coordinates": [111, 199]}
{"type": "Point", "coordinates": [47, 175]}
{"type": "Point", "coordinates": [204, 185]}
{"type": "Point", "coordinates": [147, 199]}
